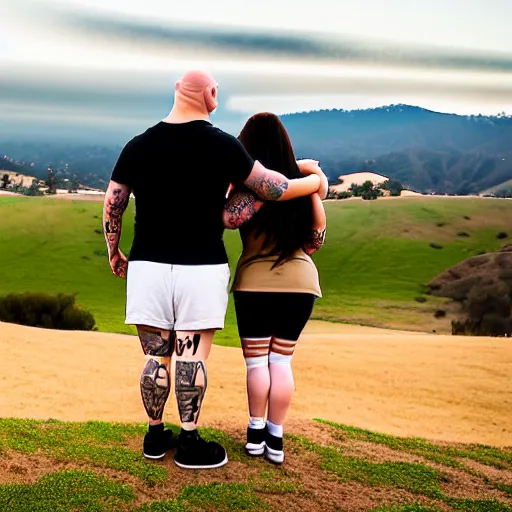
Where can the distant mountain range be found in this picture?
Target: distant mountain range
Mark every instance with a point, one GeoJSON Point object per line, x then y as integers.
{"type": "Point", "coordinates": [427, 151]}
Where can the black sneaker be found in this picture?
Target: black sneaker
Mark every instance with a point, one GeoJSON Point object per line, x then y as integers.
{"type": "Point", "coordinates": [194, 452]}
{"type": "Point", "coordinates": [274, 449]}
{"type": "Point", "coordinates": [156, 444]}
{"type": "Point", "coordinates": [255, 445]}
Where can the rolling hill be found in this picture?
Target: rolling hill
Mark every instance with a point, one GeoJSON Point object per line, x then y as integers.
{"type": "Point", "coordinates": [428, 151]}
{"type": "Point", "coordinates": [375, 264]}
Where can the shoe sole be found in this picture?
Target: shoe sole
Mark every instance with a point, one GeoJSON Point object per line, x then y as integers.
{"type": "Point", "coordinates": [153, 457]}
{"type": "Point", "coordinates": [279, 456]}
{"type": "Point", "coordinates": [255, 450]}
{"type": "Point", "coordinates": [212, 466]}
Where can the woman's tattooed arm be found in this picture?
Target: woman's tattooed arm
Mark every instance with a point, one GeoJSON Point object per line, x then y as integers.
{"type": "Point", "coordinates": [317, 238]}
{"type": "Point", "coordinates": [240, 208]}
{"type": "Point", "coordinates": [316, 241]}
{"type": "Point", "coordinates": [117, 198]}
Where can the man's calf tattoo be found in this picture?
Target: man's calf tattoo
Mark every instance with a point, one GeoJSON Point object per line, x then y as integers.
{"type": "Point", "coordinates": [155, 386]}
{"type": "Point", "coordinates": [190, 389]}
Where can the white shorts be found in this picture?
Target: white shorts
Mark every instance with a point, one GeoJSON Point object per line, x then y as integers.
{"type": "Point", "coordinates": [177, 297]}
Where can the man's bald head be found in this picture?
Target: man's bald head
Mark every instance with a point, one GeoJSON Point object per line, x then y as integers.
{"type": "Point", "coordinates": [196, 90]}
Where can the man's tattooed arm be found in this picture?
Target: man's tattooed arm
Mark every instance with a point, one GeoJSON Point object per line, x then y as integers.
{"type": "Point", "coordinates": [240, 208]}
{"type": "Point", "coordinates": [273, 186]}
{"type": "Point", "coordinates": [117, 198]}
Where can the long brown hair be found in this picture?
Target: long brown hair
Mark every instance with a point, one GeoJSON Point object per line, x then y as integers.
{"type": "Point", "coordinates": [287, 225]}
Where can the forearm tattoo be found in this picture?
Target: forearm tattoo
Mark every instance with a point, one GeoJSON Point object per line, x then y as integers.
{"type": "Point", "coordinates": [316, 240]}
{"type": "Point", "coordinates": [270, 187]}
{"type": "Point", "coordinates": [190, 389]}
{"type": "Point", "coordinates": [155, 386]}
{"type": "Point", "coordinates": [239, 209]}
{"type": "Point", "coordinates": [113, 211]}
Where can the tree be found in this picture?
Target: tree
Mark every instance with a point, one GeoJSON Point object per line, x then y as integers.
{"type": "Point", "coordinates": [393, 186]}
{"type": "Point", "coordinates": [51, 182]}
{"type": "Point", "coordinates": [5, 181]}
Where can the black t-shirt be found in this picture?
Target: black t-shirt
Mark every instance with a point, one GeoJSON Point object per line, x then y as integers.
{"type": "Point", "coordinates": [179, 174]}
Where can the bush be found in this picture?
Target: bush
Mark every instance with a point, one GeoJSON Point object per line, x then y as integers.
{"type": "Point", "coordinates": [439, 313]}
{"type": "Point", "coordinates": [463, 234]}
{"type": "Point", "coordinates": [502, 235]}
{"type": "Point", "coordinates": [435, 246]}
{"type": "Point", "coordinates": [43, 310]}
{"type": "Point", "coordinates": [421, 300]}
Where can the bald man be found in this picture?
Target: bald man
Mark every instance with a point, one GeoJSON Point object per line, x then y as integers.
{"type": "Point", "coordinates": [177, 276]}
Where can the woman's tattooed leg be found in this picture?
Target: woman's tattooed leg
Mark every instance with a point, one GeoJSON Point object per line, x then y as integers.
{"type": "Point", "coordinates": [155, 382]}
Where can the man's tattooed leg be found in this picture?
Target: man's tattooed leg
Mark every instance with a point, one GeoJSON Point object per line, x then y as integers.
{"type": "Point", "coordinates": [155, 386]}
{"type": "Point", "coordinates": [155, 382]}
{"type": "Point", "coordinates": [192, 351]}
{"type": "Point", "coordinates": [190, 389]}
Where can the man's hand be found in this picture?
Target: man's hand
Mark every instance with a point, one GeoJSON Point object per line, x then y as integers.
{"type": "Point", "coordinates": [119, 264]}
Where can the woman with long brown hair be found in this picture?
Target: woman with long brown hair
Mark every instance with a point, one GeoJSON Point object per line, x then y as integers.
{"type": "Point", "coordinates": [276, 282]}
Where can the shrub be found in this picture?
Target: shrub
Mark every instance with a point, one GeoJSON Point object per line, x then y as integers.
{"type": "Point", "coordinates": [435, 246]}
{"type": "Point", "coordinates": [441, 224]}
{"type": "Point", "coordinates": [44, 310]}
{"type": "Point", "coordinates": [502, 235]}
{"type": "Point", "coordinates": [421, 300]}
{"type": "Point", "coordinates": [439, 313]}
{"type": "Point", "coordinates": [467, 217]}
{"type": "Point", "coordinates": [463, 234]}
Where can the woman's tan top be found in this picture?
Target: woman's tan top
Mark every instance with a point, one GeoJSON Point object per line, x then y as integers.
{"type": "Point", "coordinates": [254, 271]}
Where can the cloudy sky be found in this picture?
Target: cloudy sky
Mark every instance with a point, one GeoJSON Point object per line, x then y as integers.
{"type": "Point", "coordinates": [108, 66]}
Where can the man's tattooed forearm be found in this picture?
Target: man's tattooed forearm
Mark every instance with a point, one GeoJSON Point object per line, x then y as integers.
{"type": "Point", "coordinates": [239, 208]}
{"type": "Point", "coordinates": [114, 211]}
{"type": "Point", "coordinates": [269, 188]}
{"type": "Point", "coordinates": [316, 240]}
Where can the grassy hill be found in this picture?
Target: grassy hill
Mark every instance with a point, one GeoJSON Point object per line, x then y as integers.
{"type": "Point", "coordinates": [97, 467]}
{"type": "Point", "coordinates": [376, 260]}
{"type": "Point", "coordinates": [426, 150]}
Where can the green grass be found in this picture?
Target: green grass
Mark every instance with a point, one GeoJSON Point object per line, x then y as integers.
{"type": "Point", "coordinates": [65, 491]}
{"type": "Point", "coordinates": [415, 478]}
{"type": "Point", "coordinates": [253, 486]}
{"type": "Point", "coordinates": [100, 444]}
{"type": "Point", "coordinates": [376, 259]}
{"type": "Point", "coordinates": [447, 455]}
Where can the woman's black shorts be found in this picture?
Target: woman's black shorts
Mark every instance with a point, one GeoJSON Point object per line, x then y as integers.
{"type": "Point", "coordinates": [272, 314]}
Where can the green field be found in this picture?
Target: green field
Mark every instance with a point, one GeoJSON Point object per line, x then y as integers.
{"type": "Point", "coordinates": [97, 467]}
{"type": "Point", "coordinates": [376, 260]}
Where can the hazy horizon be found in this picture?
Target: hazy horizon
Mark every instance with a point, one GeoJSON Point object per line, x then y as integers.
{"type": "Point", "coordinates": [107, 68]}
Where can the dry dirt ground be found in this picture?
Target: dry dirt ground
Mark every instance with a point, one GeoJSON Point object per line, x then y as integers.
{"type": "Point", "coordinates": [446, 388]}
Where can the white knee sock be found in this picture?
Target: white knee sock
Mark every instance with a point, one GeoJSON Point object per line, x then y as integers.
{"type": "Point", "coordinates": [256, 423]}
{"type": "Point", "coordinates": [275, 430]}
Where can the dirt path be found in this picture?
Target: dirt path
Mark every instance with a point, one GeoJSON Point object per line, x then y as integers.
{"type": "Point", "coordinates": [440, 387]}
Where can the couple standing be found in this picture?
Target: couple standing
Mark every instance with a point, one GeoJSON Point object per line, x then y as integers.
{"type": "Point", "coordinates": [191, 181]}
